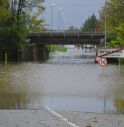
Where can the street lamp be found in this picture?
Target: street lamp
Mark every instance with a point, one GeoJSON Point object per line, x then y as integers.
{"type": "Point", "coordinates": [52, 5]}
{"type": "Point", "coordinates": [59, 18]}
{"type": "Point", "coordinates": [64, 23]}
{"type": "Point", "coordinates": [105, 23]}
{"type": "Point", "coordinates": [61, 14]}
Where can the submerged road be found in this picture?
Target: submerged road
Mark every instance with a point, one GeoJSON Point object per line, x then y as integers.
{"type": "Point", "coordinates": [66, 82]}
{"type": "Point", "coordinates": [59, 91]}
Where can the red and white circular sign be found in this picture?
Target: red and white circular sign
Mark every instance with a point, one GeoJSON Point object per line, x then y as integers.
{"type": "Point", "coordinates": [103, 62]}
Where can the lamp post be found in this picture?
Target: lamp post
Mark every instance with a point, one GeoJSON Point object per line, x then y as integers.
{"type": "Point", "coordinates": [105, 23]}
{"type": "Point", "coordinates": [61, 14]}
{"type": "Point", "coordinates": [64, 23]}
{"type": "Point", "coordinates": [59, 18]}
{"type": "Point", "coordinates": [52, 5]}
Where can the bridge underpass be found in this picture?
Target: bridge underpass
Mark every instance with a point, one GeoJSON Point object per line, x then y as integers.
{"type": "Point", "coordinates": [62, 38]}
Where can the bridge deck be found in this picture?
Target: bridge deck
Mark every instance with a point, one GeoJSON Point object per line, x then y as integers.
{"type": "Point", "coordinates": [66, 38]}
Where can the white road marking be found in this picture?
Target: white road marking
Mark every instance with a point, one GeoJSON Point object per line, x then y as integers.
{"type": "Point", "coordinates": [61, 117]}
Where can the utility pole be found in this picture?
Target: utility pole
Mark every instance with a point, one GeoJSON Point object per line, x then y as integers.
{"type": "Point", "coordinates": [105, 22]}
{"type": "Point", "coordinates": [59, 18]}
{"type": "Point", "coordinates": [52, 5]}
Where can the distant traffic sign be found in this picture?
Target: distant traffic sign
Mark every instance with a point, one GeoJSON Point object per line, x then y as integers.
{"type": "Point", "coordinates": [102, 62]}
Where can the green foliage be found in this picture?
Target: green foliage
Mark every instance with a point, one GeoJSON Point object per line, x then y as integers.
{"type": "Point", "coordinates": [119, 103]}
{"type": "Point", "coordinates": [54, 48]}
{"type": "Point", "coordinates": [120, 31]}
{"type": "Point", "coordinates": [34, 10]}
{"type": "Point", "coordinates": [4, 9]}
{"type": "Point", "coordinates": [114, 11]}
{"type": "Point", "coordinates": [36, 25]}
{"type": "Point", "coordinates": [90, 24]}
{"type": "Point", "coordinates": [15, 19]}
{"type": "Point", "coordinates": [119, 41]}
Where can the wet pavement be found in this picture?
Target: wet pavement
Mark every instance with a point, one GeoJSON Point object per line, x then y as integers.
{"type": "Point", "coordinates": [49, 118]}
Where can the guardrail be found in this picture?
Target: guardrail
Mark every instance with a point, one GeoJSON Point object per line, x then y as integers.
{"type": "Point", "coordinates": [65, 31]}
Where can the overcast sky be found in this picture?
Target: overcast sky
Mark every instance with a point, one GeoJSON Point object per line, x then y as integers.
{"type": "Point", "coordinates": [75, 12]}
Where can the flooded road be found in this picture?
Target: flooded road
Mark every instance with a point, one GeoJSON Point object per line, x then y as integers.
{"type": "Point", "coordinates": [66, 82]}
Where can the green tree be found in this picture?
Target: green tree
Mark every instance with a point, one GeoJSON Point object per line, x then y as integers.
{"type": "Point", "coordinates": [14, 23]}
{"type": "Point", "coordinates": [119, 41]}
{"type": "Point", "coordinates": [114, 12]}
{"type": "Point", "coordinates": [115, 15]}
{"type": "Point", "coordinates": [90, 24]}
{"type": "Point", "coordinates": [26, 13]}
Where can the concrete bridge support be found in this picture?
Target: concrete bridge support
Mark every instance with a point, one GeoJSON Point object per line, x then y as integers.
{"type": "Point", "coordinates": [35, 53]}
{"type": "Point", "coordinates": [40, 52]}
{"type": "Point", "coordinates": [27, 53]}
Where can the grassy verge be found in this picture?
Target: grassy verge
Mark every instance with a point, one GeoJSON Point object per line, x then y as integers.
{"type": "Point", "coordinates": [53, 48]}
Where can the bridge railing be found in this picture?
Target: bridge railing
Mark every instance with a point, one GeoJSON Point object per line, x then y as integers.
{"type": "Point", "coordinates": [65, 32]}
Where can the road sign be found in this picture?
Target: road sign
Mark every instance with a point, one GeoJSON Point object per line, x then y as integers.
{"type": "Point", "coordinates": [103, 62]}
{"type": "Point", "coordinates": [111, 53]}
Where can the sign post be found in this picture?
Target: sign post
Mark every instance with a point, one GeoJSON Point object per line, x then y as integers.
{"type": "Point", "coordinates": [119, 65]}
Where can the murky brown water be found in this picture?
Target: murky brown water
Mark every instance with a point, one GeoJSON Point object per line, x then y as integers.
{"type": "Point", "coordinates": [66, 82]}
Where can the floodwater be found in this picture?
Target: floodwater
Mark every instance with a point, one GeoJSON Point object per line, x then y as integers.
{"type": "Point", "coordinates": [66, 82]}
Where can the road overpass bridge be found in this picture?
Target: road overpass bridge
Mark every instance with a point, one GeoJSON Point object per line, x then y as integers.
{"type": "Point", "coordinates": [66, 37]}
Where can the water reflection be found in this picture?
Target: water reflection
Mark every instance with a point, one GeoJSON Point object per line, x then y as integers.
{"type": "Point", "coordinates": [119, 104]}
{"type": "Point", "coordinates": [13, 101]}
{"type": "Point", "coordinates": [62, 85]}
